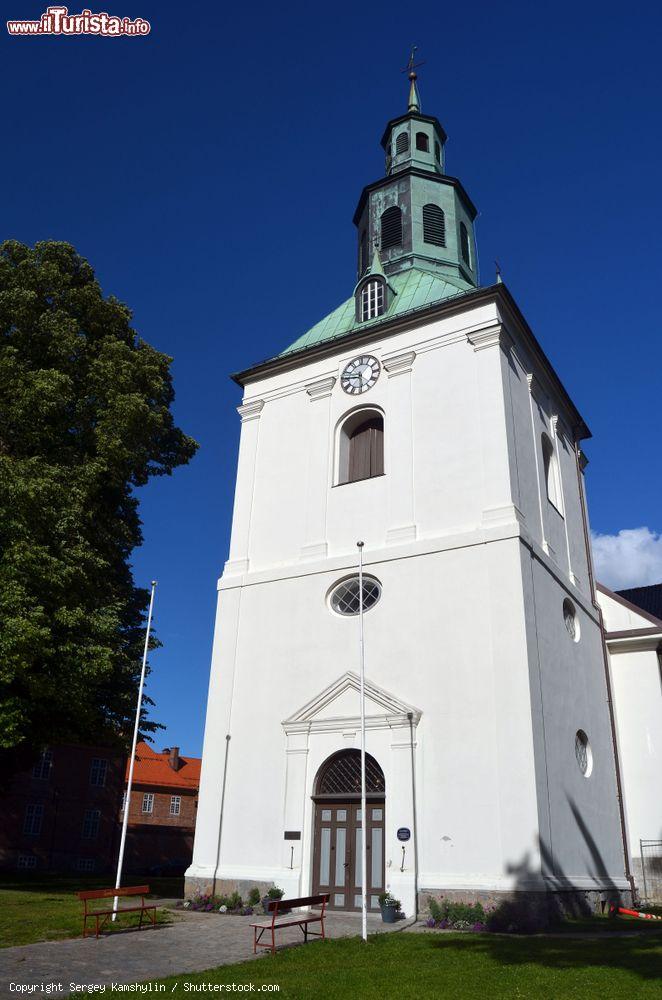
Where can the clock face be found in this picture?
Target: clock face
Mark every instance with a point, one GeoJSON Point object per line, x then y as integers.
{"type": "Point", "coordinates": [360, 374]}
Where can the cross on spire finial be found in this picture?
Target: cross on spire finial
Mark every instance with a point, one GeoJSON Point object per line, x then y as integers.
{"type": "Point", "coordinates": [410, 70]}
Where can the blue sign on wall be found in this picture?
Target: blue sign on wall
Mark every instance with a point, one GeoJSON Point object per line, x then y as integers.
{"type": "Point", "coordinates": [404, 833]}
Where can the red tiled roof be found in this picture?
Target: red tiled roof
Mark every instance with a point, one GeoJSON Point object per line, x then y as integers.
{"type": "Point", "coordinates": [152, 768]}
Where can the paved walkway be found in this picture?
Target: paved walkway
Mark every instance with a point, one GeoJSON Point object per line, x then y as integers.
{"type": "Point", "coordinates": [194, 942]}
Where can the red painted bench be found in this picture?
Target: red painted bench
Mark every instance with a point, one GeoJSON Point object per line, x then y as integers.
{"type": "Point", "coordinates": [288, 919]}
{"type": "Point", "coordinates": [135, 890]}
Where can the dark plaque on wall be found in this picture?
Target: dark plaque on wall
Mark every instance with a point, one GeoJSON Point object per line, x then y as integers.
{"type": "Point", "coordinates": [404, 833]}
{"type": "Point", "coordinates": [293, 835]}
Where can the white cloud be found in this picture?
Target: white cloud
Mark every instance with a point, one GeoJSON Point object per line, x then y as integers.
{"type": "Point", "coordinates": [632, 558]}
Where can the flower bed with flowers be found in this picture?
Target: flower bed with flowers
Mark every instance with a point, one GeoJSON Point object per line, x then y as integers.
{"type": "Point", "coordinates": [446, 915]}
{"type": "Point", "coordinates": [510, 917]}
{"type": "Point", "coordinates": [232, 904]}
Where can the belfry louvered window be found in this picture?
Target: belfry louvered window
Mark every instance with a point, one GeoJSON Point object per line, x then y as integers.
{"type": "Point", "coordinates": [464, 244]}
{"type": "Point", "coordinates": [341, 775]}
{"type": "Point", "coordinates": [402, 143]}
{"type": "Point", "coordinates": [422, 142]}
{"type": "Point", "coordinates": [391, 228]}
{"type": "Point", "coordinates": [434, 225]}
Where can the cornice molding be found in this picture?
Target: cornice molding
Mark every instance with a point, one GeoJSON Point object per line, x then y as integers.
{"type": "Point", "coordinates": [250, 411]}
{"type": "Point", "coordinates": [492, 336]}
{"type": "Point", "coordinates": [399, 364]}
{"type": "Point", "coordinates": [320, 389]}
{"type": "Point", "coordinates": [535, 388]}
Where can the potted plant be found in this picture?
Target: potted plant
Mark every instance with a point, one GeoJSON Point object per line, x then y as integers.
{"type": "Point", "coordinates": [390, 907]}
{"type": "Point", "coordinates": [273, 893]}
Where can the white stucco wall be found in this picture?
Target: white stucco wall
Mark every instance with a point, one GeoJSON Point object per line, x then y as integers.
{"type": "Point", "coordinates": [634, 640]}
{"type": "Point", "coordinates": [468, 633]}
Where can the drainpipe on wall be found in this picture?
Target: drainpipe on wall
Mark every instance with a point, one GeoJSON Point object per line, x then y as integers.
{"type": "Point", "coordinates": [605, 658]}
{"type": "Point", "coordinates": [410, 716]}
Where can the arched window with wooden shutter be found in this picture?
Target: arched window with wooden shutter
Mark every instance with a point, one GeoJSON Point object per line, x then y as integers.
{"type": "Point", "coordinates": [391, 228]}
{"type": "Point", "coordinates": [434, 225]}
{"type": "Point", "coordinates": [402, 143]}
{"type": "Point", "coordinates": [361, 446]}
{"type": "Point", "coordinates": [422, 142]}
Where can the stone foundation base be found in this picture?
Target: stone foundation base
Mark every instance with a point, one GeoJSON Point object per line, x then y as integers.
{"type": "Point", "coordinates": [530, 910]}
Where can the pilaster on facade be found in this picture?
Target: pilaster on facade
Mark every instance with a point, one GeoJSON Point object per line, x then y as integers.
{"type": "Point", "coordinates": [238, 562]}
{"type": "Point", "coordinates": [500, 503]}
{"type": "Point", "coordinates": [560, 436]}
{"type": "Point", "coordinates": [535, 393]}
{"type": "Point", "coordinates": [315, 545]}
{"type": "Point", "coordinates": [401, 516]}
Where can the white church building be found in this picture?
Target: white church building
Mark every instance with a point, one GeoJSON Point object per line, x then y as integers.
{"type": "Point", "coordinates": [422, 418]}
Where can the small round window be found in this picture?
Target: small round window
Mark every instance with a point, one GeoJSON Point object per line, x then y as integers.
{"type": "Point", "coordinates": [571, 620]}
{"type": "Point", "coordinates": [345, 599]}
{"type": "Point", "coordinates": [583, 753]}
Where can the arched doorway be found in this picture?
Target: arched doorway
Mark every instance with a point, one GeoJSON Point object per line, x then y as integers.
{"type": "Point", "coordinates": [338, 830]}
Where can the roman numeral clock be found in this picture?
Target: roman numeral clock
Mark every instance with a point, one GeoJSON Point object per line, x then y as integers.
{"type": "Point", "coordinates": [360, 374]}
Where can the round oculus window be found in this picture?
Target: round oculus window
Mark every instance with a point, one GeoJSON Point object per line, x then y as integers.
{"type": "Point", "coordinates": [571, 620]}
{"type": "Point", "coordinates": [345, 596]}
{"type": "Point", "coordinates": [583, 753]}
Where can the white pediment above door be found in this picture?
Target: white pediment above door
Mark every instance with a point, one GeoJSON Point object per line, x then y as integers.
{"type": "Point", "coordinates": [338, 706]}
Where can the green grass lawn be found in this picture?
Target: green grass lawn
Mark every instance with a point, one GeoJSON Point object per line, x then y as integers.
{"type": "Point", "coordinates": [41, 908]}
{"type": "Point", "coordinates": [406, 966]}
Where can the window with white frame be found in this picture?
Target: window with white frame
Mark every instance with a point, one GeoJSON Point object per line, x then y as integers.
{"type": "Point", "coordinates": [148, 802]}
{"type": "Point", "coordinates": [26, 861]}
{"type": "Point", "coordinates": [372, 299]}
{"type": "Point", "coordinates": [42, 769]}
{"type": "Point", "coordinates": [91, 821]}
{"type": "Point", "coordinates": [175, 805]}
{"type": "Point", "coordinates": [552, 476]}
{"type": "Point", "coordinates": [98, 771]}
{"type": "Point", "coordinates": [34, 815]}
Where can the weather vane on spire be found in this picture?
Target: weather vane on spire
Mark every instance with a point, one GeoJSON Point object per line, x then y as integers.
{"type": "Point", "coordinates": [412, 66]}
{"type": "Point", "coordinates": [410, 70]}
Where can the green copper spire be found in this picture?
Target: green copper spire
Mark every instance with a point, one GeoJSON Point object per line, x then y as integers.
{"type": "Point", "coordinates": [417, 216]}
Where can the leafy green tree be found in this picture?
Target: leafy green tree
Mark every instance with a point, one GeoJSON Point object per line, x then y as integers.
{"type": "Point", "coordinates": [84, 419]}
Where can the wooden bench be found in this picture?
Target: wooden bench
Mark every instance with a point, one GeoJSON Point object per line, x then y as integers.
{"type": "Point", "coordinates": [135, 890]}
{"type": "Point", "coordinates": [288, 919]}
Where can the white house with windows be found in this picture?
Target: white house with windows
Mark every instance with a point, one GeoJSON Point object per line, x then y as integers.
{"type": "Point", "coordinates": [633, 637]}
{"type": "Point", "coordinates": [422, 418]}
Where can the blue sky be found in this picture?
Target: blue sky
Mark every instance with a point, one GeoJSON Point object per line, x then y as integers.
{"type": "Point", "coordinates": [210, 172]}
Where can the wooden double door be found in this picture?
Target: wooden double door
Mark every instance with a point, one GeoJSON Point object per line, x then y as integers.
{"type": "Point", "coordinates": [337, 852]}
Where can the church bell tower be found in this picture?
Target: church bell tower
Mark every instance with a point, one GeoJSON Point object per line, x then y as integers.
{"type": "Point", "coordinates": [421, 417]}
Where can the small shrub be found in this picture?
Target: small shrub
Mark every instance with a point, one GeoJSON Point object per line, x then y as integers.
{"type": "Point", "coordinates": [254, 896]}
{"type": "Point", "coordinates": [459, 916]}
{"type": "Point", "coordinates": [275, 893]}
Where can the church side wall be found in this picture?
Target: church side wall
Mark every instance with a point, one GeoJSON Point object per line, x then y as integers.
{"type": "Point", "coordinates": [581, 836]}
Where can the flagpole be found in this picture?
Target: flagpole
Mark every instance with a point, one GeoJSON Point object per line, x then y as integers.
{"type": "Point", "coordinates": [127, 801]}
{"type": "Point", "coordinates": [364, 821]}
